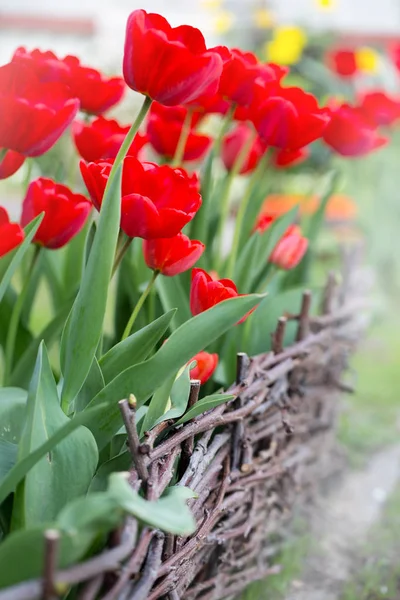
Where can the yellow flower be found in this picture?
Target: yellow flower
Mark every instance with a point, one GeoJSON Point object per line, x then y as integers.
{"type": "Point", "coordinates": [223, 22]}
{"type": "Point", "coordinates": [263, 18]}
{"type": "Point", "coordinates": [367, 60]}
{"type": "Point", "coordinates": [282, 53]}
{"type": "Point", "coordinates": [291, 35]}
{"type": "Point", "coordinates": [212, 4]}
{"type": "Point", "coordinates": [326, 4]}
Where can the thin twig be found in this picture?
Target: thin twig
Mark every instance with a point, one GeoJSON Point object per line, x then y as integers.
{"type": "Point", "coordinates": [129, 417]}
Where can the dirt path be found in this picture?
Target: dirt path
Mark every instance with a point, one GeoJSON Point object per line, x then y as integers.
{"type": "Point", "coordinates": [341, 525]}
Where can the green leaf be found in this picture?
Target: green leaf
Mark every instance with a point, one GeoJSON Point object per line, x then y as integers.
{"type": "Point", "coordinates": [173, 296]}
{"type": "Point", "coordinates": [135, 348]}
{"type": "Point", "coordinates": [23, 370]}
{"type": "Point", "coordinates": [8, 457]}
{"type": "Point", "coordinates": [158, 404]}
{"type": "Point", "coordinates": [12, 413]}
{"type": "Point", "coordinates": [170, 513]}
{"type": "Point", "coordinates": [84, 330]}
{"type": "Point", "coordinates": [63, 473]}
{"type": "Point", "coordinates": [248, 263]}
{"type": "Point", "coordinates": [143, 379]}
{"type": "Point", "coordinates": [203, 405]}
{"type": "Point", "coordinates": [75, 259]}
{"type": "Point", "coordinates": [13, 265]}
{"type": "Point", "coordinates": [94, 383]}
{"type": "Point", "coordinates": [17, 473]}
{"type": "Point", "coordinates": [179, 396]}
{"type": "Point", "coordinates": [121, 462]}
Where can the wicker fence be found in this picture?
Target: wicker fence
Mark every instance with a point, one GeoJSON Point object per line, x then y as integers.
{"type": "Point", "coordinates": [248, 461]}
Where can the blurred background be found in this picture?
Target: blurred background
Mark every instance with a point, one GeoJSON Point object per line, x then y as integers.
{"type": "Point", "coordinates": [305, 35]}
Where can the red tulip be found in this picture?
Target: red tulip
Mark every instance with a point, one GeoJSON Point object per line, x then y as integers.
{"type": "Point", "coordinates": [37, 113]}
{"type": "Point", "coordinates": [234, 143]}
{"type": "Point", "coordinates": [103, 138]}
{"type": "Point", "coordinates": [351, 135]}
{"type": "Point", "coordinates": [289, 118]}
{"type": "Point", "coordinates": [164, 130]}
{"type": "Point", "coordinates": [96, 92]}
{"type": "Point", "coordinates": [289, 158]}
{"type": "Point", "coordinates": [290, 249]}
{"type": "Point", "coordinates": [379, 109]}
{"type": "Point", "coordinates": [343, 62]}
{"type": "Point", "coordinates": [65, 212]}
{"type": "Point", "coordinates": [170, 65]}
{"type": "Point", "coordinates": [157, 202]}
{"type": "Point", "coordinates": [171, 256]}
{"type": "Point", "coordinates": [10, 162]}
{"type": "Point", "coordinates": [206, 292]}
{"type": "Point", "coordinates": [11, 234]}
{"type": "Point", "coordinates": [206, 365]}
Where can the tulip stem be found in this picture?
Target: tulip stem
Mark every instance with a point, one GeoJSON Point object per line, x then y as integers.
{"type": "Point", "coordinates": [226, 192]}
{"type": "Point", "coordinates": [258, 173]}
{"type": "Point", "coordinates": [183, 138]}
{"type": "Point", "coordinates": [128, 140]}
{"type": "Point", "coordinates": [139, 305]}
{"type": "Point", "coordinates": [121, 251]}
{"type": "Point", "coordinates": [16, 316]}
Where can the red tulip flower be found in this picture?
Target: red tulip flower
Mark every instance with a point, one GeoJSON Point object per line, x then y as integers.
{"type": "Point", "coordinates": [206, 292]}
{"type": "Point", "coordinates": [206, 365]}
{"type": "Point", "coordinates": [65, 212]}
{"type": "Point", "coordinates": [10, 162]}
{"type": "Point", "coordinates": [171, 256]}
{"type": "Point", "coordinates": [96, 93]}
{"type": "Point", "coordinates": [157, 202]}
{"type": "Point", "coordinates": [349, 134]}
{"type": "Point", "coordinates": [11, 234]}
{"type": "Point", "coordinates": [103, 138]}
{"type": "Point", "coordinates": [164, 130]}
{"type": "Point", "coordinates": [289, 118]}
{"type": "Point", "coordinates": [343, 62]}
{"type": "Point", "coordinates": [290, 249]}
{"type": "Point", "coordinates": [289, 158]}
{"type": "Point", "coordinates": [37, 114]}
{"type": "Point", "coordinates": [234, 143]}
{"type": "Point", "coordinates": [379, 109]}
{"type": "Point", "coordinates": [170, 65]}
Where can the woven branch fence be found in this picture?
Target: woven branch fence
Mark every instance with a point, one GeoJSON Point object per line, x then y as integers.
{"type": "Point", "coordinates": [249, 462]}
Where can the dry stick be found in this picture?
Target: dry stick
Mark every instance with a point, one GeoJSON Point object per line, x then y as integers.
{"type": "Point", "coordinates": [142, 588]}
{"type": "Point", "coordinates": [239, 433]}
{"type": "Point", "coordinates": [129, 417]}
{"type": "Point", "coordinates": [188, 445]}
{"type": "Point", "coordinates": [304, 316]}
{"type": "Point", "coordinates": [92, 588]}
{"type": "Point", "coordinates": [329, 291]}
{"type": "Point", "coordinates": [51, 547]}
{"type": "Point", "coordinates": [278, 336]}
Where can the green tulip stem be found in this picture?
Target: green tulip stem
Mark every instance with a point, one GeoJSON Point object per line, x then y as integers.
{"type": "Point", "coordinates": [128, 140]}
{"type": "Point", "coordinates": [139, 305]}
{"type": "Point", "coordinates": [16, 316]}
{"type": "Point", "coordinates": [225, 197]}
{"type": "Point", "coordinates": [120, 253]}
{"type": "Point", "coordinates": [257, 175]}
{"type": "Point", "coordinates": [183, 138]}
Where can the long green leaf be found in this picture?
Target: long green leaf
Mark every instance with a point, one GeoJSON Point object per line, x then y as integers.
{"type": "Point", "coordinates": [143, 379]}
{"type": "Point", "coordinates": [135, 348]}
{"type": "Point", "coordinates": [30, 231]}
{"type": "Point", "coordinates": [203, 405]}
{"type": "Point", "coordinates": [172, 295]}
{"type": "Point", "coordinates": [86, 320]}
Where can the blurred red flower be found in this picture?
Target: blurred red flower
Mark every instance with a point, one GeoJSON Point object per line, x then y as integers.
{"type": "Point", "coordinates": [170, 65]}
{"type": "Point", "coordinates": [206, 292]}
{"type": "Point", "coordinates": [11, 234]}
{"type": "Point", "coordinates": [96, 92]}
{"type": "Point", "coordinates": [235, 142]}
{"type": "Point", "coordinates": [164, 128]}
{"type": "Point", "coordinates": [10, 162]}
{"type": "Point", "coordinates": [37, 113]}
{"type": "Point", "coordinates": [290, 249]}
{"type": "Point", "coordinates": [102, 138]}
{"type": "Point", "coordinates": [379, 109]}
{"type": "Point", "coordinates": [343, 62]}
{"type": "Point", "coordinates": [289, 158]}
{"type": "Point", "coordinates": [206, 365]}
{"type": "Point", "coordinates": [349, 134]}
{"type": "Point", "coordinates": [171, 256]}
{"type": "Point", "coordinates": [65, 212]}
{"type": "Point", "coordinates": [289, 118]}
{"type": "Point", "coordinates": [157, 202]}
